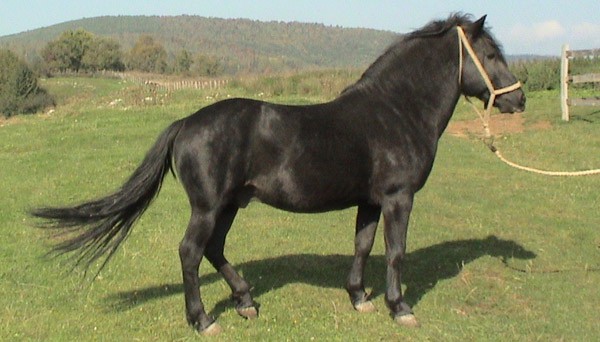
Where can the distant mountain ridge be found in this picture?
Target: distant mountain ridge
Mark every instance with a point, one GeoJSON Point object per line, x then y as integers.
{"type": "Point", "coordinates": [245, 45]}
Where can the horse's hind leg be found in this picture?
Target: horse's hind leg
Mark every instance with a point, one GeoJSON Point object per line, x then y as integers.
{"type": "Point", "coordinates": [191, 251]}
{"type": "Point", "coordinates": [366, 225]}
{"type": "Point", "coordinates": [240, 289]}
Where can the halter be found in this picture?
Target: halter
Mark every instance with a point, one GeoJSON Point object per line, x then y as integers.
{"type": "Point", "coordinates": [463, 41]}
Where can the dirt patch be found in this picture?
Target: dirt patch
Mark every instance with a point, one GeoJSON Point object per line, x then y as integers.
{"type": "Point", "coordinates": [4, 121]}
{"type": "Point", "coordinates": [500, 124]}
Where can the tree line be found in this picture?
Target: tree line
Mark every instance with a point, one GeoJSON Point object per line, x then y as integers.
{"type": "Point", "coordinates": [80, 51]}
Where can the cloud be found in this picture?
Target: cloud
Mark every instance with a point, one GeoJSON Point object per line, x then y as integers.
{"type": "Point", "coordinates": [547, 37]}
{"type": "Point", "coordinates": [537, 37]}
{"type": "Point", "coordinates": [537, 32]}
{"type": "Point", "coordinates": [548, 30]}
{"type": "Point", "coordinates": [587, 29]}
{"type": "Point", "coordinates": [584, 35]}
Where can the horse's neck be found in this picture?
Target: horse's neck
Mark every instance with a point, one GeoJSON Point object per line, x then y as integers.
{"type": "Point", "coordinates": [422, 84]}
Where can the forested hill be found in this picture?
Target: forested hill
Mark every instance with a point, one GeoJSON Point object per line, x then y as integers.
{"type": "Point", "coordinates": [244, 45]}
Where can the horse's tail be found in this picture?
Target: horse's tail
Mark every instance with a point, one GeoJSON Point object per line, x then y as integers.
{"type": "Point", "coordinates": [99, 226]}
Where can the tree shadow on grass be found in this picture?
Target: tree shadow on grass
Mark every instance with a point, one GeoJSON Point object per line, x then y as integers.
{"type": "Point", "coordinates": [424, 268]}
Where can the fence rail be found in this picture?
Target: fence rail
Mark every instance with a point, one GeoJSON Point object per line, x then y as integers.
{"type": "Point", "coordinates": [169, 84]}
{"type": "Point", "coordinates": [566, 79]}
{"type": "Point", "coordinates": [188, 84]}
{"type": "Point", "coordinates": [581, 53]}
{"type": "Point", "coordinates": [587, 78]}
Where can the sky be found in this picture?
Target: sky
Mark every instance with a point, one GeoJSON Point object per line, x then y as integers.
{"type": "Point", "coordinates": [521, 26]}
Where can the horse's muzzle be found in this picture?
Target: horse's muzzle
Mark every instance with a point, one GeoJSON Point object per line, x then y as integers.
{"type": "Point", "coordinates": [513, 102]}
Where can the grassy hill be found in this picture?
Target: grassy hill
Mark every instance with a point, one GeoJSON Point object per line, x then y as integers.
{"type": "Point", "coordinates": [244, 45]}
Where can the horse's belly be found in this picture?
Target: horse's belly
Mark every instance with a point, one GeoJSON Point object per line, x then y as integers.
{"type": "Point", "coordinates": [306, 195]}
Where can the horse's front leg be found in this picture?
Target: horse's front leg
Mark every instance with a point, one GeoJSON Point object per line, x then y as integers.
{"type": "Point", "coordinates": [396, 212]}
{"type": "Point", "coordinates": [366, 225]}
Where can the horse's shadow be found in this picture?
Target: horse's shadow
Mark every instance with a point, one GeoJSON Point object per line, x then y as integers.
{"type": "Point", "coordinates": [424, 268]}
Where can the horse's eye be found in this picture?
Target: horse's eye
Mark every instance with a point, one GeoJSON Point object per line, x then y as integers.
{"type": "Point", "coordinates": [491, 55]}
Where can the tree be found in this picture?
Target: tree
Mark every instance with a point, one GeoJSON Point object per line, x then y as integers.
{"type": "Point", "coordinates": [66, 52]}
{"type": "Point", "coordinates": [183, 62]}
{"type": "Point", "coordinates": [103, 54]}
{"type": "Point", "coordinates": [148, 55]}
{"type": "Point", "coordinates": [19, 90]}
{"type": "Point", "coordinates": [208, 66]}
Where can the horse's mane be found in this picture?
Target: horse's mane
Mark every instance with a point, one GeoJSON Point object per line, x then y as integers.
{"type": "Point", "coordinates": [433, 29]}
{"type": "Point", "coordinates": [439, 27]}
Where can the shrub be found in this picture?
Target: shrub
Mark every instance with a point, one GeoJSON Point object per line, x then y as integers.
{"type": "Point", "coordinates": [538, 74]}
{"type": "Point", "coordinates": [19, 90]}
{"type": "Point", "coordinates": [544, 74]}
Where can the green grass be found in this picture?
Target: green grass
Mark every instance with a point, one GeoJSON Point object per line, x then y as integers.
{"type": "Point", "coordinates": [493, 253]}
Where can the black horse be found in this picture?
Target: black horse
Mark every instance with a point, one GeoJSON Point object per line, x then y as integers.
{"type": "Point", "coordinates": [372, 147]}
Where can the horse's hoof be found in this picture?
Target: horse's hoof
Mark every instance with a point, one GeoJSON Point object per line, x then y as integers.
{"type": "Point", "coordinates": [408, 320]}
{"type": "Point", "coordinates": [212, 330]}
{"type": "Point", "coordinates": [365, 307]}
{"type": "Point", "coordinates": [249, 312]}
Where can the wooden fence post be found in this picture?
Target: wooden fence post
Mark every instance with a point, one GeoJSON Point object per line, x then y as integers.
{"type": "Point", "coordinates": [566, 79]}
{"type": "Point", "coordinates": [564, 82]}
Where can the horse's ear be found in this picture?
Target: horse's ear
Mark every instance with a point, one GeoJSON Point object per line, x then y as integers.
{"type": "Point", "coordinates": [477, 27]}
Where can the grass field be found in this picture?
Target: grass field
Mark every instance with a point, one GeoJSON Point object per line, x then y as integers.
{"type": "Point", "coordinates": [493, 253]}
